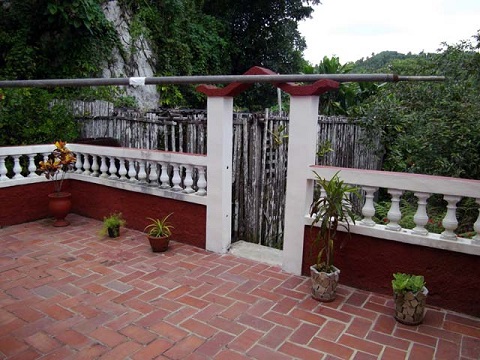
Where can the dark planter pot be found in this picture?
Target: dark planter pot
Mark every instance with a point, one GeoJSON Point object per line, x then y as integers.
{"type": "Point", "coordinates": [158, 244]}
{"type": "Point", "coordinates": [113, 232]}
{"type": "Point", "coordinates": [59, 205]}
{"type": "Point", "coordinates": [410, 306]}
{"type": "Point", "coordinates": [324, 285]}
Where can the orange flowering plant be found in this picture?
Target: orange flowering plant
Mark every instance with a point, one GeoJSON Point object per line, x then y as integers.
{"type": "Point", "coordinates": [58, 163]}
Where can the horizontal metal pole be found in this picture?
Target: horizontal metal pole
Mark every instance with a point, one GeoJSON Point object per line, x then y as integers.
{"type": "Point", "coordinates": [217, 79]}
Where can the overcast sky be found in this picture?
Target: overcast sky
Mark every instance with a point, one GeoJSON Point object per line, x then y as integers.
{"type": "Point", "coordinates": [352, 29]}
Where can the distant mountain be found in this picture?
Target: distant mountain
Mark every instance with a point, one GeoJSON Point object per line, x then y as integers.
{"type": "Point", "coordinates": [379, 62]}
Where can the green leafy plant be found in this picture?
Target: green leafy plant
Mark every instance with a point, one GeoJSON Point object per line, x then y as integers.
{"type": "Point", "coordinates": [405, 282]}
{"type": "Point", "coordinates": [112, 223]}
{"type": "Point", "coordinates": [332, 209]}
{"type": "Point", "coordinates": [159, 227]}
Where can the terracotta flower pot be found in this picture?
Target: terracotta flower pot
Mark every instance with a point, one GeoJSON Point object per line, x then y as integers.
{"type": "Point", "coordinates": [324, 285]}
{"type": "Point", "coordinates": [159, 244]}
{"type": "Point", "coordinates": [59, 205]}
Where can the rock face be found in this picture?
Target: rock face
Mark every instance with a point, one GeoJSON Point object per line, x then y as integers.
{"type": "Point", "coordinates": [135, 60]}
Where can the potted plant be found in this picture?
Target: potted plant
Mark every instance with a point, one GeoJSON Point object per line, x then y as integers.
{"type": "Point", "coordinates": [410, 295]}
{"type": "Point", "coordinates": [333, 209]}
{"type": "Point", "coordinates": [158, 233]}
{"type": "Point", "coordinates": [57, 164]}
{"type": "Point", "coordinates": [111, 225]}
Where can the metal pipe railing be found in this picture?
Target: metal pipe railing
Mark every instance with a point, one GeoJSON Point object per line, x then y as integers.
{"type": "Point", "coordinates": [214, 79]}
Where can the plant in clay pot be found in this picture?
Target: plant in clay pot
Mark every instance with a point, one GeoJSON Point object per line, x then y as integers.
{"type": "Point", "coordinates": [410, 296]}
{"type": "Point", "coordinates": [331, 210]}
{"type": "Point", "coordinates": [158, 233]}
{"type": "Point", "coordinates": [112, 224]}
{"type": "Point", "coordinates": [58, 163]}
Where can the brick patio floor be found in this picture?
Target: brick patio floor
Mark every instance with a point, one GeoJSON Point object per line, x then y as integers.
{"type": "Point", "coordinates": [68, 293]}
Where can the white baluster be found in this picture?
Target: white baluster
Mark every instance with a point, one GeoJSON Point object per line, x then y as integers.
{"type": "Point", "coordinates": [78, 164]}
{"type": "Point", "coordinates": [132, 172]}
{"type": "Point", "coordinates": [31, 166]}
{"type": "Point", "coordinates": [86, 165]}
{"type": "Point", "coordinates": [176, 179]}
{"type": "Point", "coordinates": [450, 222]}
{"type": "Point", "coordinates": [164, 178]}
{"type": "Point", "coordinates": [113, 169]}
{"type": "Point", "coordinates": [188, 181]}
{"type": "Point", "coordinates": [368, 210]}
{"type": "Point", "coordinates": [421, 218]}
{"type": "Point", "coordinates": [201, 182]}
{"type": "Point", "coordinates": [476, 226]}
{"type": "Point", "coordinates": [3, 169]}
{"type": "Point", "coordinates": [394, 215]}
{"type": "Point", "coordinates": [17, 168]}
{"type": "Point", "coordinates": [142, 174]}
{"type": "Point", "coordinates": [95, 166]}
{"type": "Point", "coordinates": [153, 174]}
{"type": "Point", "coordinates": [103, 168]}
{"type": "Point", "coordinates": [123, 170]}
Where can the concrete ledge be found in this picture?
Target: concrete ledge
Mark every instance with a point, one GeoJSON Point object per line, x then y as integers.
{"type": "Point", "coordinates": [260, 253]}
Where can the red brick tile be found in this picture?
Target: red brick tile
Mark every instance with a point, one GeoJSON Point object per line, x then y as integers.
{"type": "Point", "coordinates": [176, 293]}
{"type": "Point", "coordinates": [55, 312]}
{"type": "Point", "coordinates": [296, 351]}
{"type": "Point", "coordinates": [441, 334]}
{"type": "Point", "coordinates": [192, 301]}
{"type": "Point", "coordinates": [209, 312]}
{"type": "Point", "coordinates": [388, 340]}
{"type": "Point", "coordinates": [73, 339]}
{"type": "Point", "coordinates": [198, 328]}
{"type": "Point", "coordinates": [360, 344]}
{"type": "Point", "coordinates": [231, 327]}
{"type": "Point", "coordinates": [25, 312]}
{"type": "Point", "coordinates": [152, 318]}
{"type": "Point", "coordinates": [61, 353]}
{"type": "Point", "coordinates": [140, 306]}
{"type": "Point", "coordinates": [471, 348]}
{"type": "Point", "coordinates": [122, 351]}
{"type": "Point", "coordinates": [330, 347]}
{"type": "Point", "coordinates": [184, 347]}
{"type": "Point", "coordinates": [230, 355]}
{"type": "Point", "coordinates": [234, 310]}
{"type": "Point", "coordinates": [285, 320]}
{"type": "Point", "coordinates": [285, 305]}
{"type": "Point", "coordinates": [393, 354]}
{"type": "Point", "coordinates": [108, 337]}
{"type": "Point", "coordinates": [363, 356]}
{"type": "Point", "coordinates": [434, 318]}
{"type": "Point", "coordinates": [308, 316]}
{"type": "Point", "coordinates": [42, 342]}
{"type": "Point", "coordinates": [168, 331]}
{"type": "Point", "coordinates": [213, 345]}
{"type": "Point", "coordinates": [331, 330]}
{"type": "Point", "coordinates": [465, 320]}
{"type": "Point", "coordinates": [28, 354]}
{"type": "Point", "coordinates": [334, 314]}
{"type": "Point", "coordinates": [462, 329]}
{"type": "Point", "coordinates": [10, 346]}
{"type": "Point", "coordinates": [447, 350]}
{"type": "Point", "coordinates": [275, 337]}
{"type": "Point", "coordinates": [245, 340]}
{"type": "Point", "coordinates": [153, 350]}
{"type": "Point", "coordinates": [359, 327]}
{"type": "Point", "coordinates": [304, 334]}
{"type": "Point", "coordinates": [384, 324]}
{"type": "Point", "coordinates": [180, 316]}
{"type": "Point", "coordinates": [357, 311]}
{"type": "Point", "coordinates": [415, 337]}
{"type": "Point", "coordinates": [357, 299]}
{"type": "Point", "coordinates": [138, 334]}
{"type": "Point", "coordinates": [421, 352]}
{"type": "Point", "coordinates": [246, 298]}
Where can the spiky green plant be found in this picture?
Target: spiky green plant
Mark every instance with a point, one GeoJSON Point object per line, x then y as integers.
{"type": "Point", "coordinates": [332, 209]}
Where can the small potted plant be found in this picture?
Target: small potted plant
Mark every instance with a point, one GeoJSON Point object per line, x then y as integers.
{"type": "Point", "coordinates": [112, 224]}
{"type": "Point", "coordinates": [158, 233]}
{"type": "Point", "coordinates": [333, 209]}
{"type": "Point", "coordinates": [410, 295]}
{"type": "Point", "coordinates": [58, 163]}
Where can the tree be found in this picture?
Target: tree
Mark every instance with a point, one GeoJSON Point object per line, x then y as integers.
{"type": "Point", "coordinates": [261, 33]}
{"type": "Point", "coordinates": [432, 128]}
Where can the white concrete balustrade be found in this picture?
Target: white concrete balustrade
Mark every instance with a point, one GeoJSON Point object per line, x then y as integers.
{"type": "Point", "coordinates": [423, 186]}
{"type": "Point", "coordinates": [174, 175]}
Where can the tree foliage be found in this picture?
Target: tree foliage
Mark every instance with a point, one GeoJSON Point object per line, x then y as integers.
{"type": "Point", "coordinates": [432, 128]}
